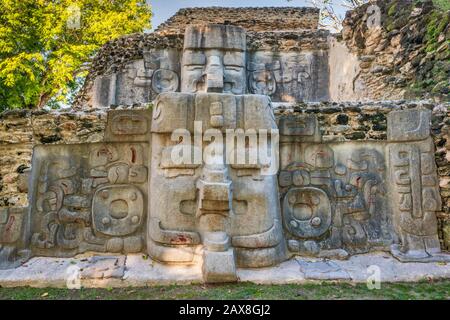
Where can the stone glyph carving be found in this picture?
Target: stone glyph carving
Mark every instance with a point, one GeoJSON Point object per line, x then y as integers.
{"type": "Point", "coordinates": [117, 210]}
{"type": "Point", "coordinates": [333, 194]}
{"type": "Point", "coordinates": [128, 126]}
{"type": "Point", "coordinates": [305, 127]}
{"type": "Point", "coordinates": [413, 175]}
{"type": "Point", "coordinates": [88, 198]}
{"type": "Point", "coordinates": [409, 125]}
{"type": "Point", "coordinates": [307, 210]}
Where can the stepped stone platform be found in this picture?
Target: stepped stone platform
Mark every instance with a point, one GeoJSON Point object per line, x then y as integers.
{"type": "Point", "coordinates": [136, 270]}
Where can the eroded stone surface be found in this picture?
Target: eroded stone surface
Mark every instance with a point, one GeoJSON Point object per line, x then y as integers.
{"type": "Point", "coordinates": [141, 271]}
{"type": "Point", "coordinates": [216, 205]}
{"type": "Point", "coordinates": [342, 180]}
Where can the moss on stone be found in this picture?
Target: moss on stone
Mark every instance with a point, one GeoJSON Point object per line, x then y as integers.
{"type": "Point", "coordinates": [392, 9]}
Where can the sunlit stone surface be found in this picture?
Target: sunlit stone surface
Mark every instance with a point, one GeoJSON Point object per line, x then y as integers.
{"type": "Point", "coordinates": [126, 192]}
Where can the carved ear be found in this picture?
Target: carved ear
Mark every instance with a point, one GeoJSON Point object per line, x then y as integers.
{"type": "Point", "coordinates": [173, 111]}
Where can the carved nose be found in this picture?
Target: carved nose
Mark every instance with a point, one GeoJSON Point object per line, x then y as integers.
{"type": "Point", "coordinates": [214, 75]}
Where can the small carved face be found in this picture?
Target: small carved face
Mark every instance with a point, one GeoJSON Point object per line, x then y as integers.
{"type": "Point", "coordinates": [262, 82]}
{"type": "Point", "coordinates": [295, 67]}
{"type": "Point", "coordinates": [213, 71]}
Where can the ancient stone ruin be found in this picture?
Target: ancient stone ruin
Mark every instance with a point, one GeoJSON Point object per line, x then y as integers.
{"type": "Point", "coordinates": [342, 178]}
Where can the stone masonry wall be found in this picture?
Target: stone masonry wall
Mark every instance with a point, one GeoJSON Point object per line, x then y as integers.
{"type": "Point", "coordinates": [21, 130]}
{"type": "Point", "coordinates": [252, 19]}
{"type": "Point", "coordinates": [441, 134]}
{"type": "Point", "coordinates": [288, 41]}
{"type": "Point", "coordinates": [406, 55]}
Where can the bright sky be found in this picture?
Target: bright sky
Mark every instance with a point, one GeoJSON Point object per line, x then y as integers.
{"type": "Point", "coordinates": [164, 9]}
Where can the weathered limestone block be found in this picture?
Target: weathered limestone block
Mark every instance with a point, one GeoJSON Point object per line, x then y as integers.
{"type": "Point", "coordinates": [334, 197]}
{"type": "Point", "coordinates": [128, 126]}
{"type": "Point", "coordinates": [13, 249]}
{"type": "Point", "coordinates": [409, 125]}
{"type": "Point", "coordinates": [414, 178]}
{"type": "Point", "coordinates": [103, 267]}
{"type": "Point", "coordinates": [304, 128]}
{"type": "Point", "coordinates": [219, 267]}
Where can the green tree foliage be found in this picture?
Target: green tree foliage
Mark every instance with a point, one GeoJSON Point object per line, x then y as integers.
{"type": "Point", "coordinates": [443, 4]}
{"type": "Point", "coordinates": [46, 45]}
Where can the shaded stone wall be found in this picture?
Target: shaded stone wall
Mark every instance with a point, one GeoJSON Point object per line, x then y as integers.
{"type": "Point", "coordinates": [288, 41]}
{"type": "Point", "coordinates": [21, 130]}
{"type": "Point", "coordinates": [404, 56]}
{"type": "Point", "coordinates": [252, 19]}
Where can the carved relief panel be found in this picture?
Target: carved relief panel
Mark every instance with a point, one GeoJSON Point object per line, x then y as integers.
{"type": "Point", "coordinates": [88, 198]}
{"type": "Point", "coordinates": [333, 195]}
{"type": "Point", "coordinates": [140, 81]}
{"type": "Point", "coordinates": [413, 176]}
{"type": "Point", "coordinates": [288, 76]}
{"type": "Point", "coordinates": [215, 59]}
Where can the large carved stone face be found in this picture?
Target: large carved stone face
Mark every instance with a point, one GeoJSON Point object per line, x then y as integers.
{"type": "Point", "coordinates": [214, 60]}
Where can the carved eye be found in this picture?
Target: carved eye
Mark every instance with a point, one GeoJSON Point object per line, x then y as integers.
{"type": "Point", "coordinates": [233, 68]}
{"type": "Point", "coordinates": [195, 67]}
